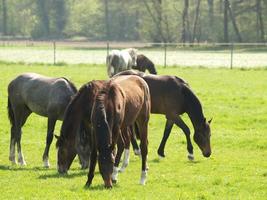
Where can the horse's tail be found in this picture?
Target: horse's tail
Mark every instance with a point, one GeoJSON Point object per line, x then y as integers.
{"type": "Point", "coordinates": [108, 64]}
{"type": "Point", "coordinates": [11, 115]}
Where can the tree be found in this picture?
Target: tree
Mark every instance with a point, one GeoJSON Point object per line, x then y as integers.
{"type": "Point", "coordinates": [260, 25]}
{"type": "Point", "coordinates": [4, 17]}
{"type": "Point", "coordinates": [185, 23]}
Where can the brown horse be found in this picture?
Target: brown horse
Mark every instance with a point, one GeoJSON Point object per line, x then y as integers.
{"type": "Point", "coordinates": [143, 63]}
{"type": "Point", "coordinates": [78, 112]}
{"type": "Point", "coordinates": [172, 97]}
{"type": "Point", "coordinates": [115, 109]}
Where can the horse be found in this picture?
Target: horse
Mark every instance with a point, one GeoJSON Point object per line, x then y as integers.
{"type": "Point", "coordinates": [116, 108]}
{"type": "Point", "coordinates": [143, 63]}
{"type": "Point", "coordinates": [172, 96]}
{"type": "Point", "coordinates": [33, 93]}
{"type": "Point", "coordinates": [78, 112]}
{"type": "Point", "coordinates": [118, 61]}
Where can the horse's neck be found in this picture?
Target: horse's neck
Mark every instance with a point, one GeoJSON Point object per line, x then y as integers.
{"type": "Point", "coordinates": [193, 108]}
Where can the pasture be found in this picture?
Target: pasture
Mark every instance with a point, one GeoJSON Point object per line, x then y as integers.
{"type": "Point", "coordinates": [237, 169]}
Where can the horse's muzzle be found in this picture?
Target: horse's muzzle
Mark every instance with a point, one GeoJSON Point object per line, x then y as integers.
{"type": "Point", "coordinates": [207, 154]}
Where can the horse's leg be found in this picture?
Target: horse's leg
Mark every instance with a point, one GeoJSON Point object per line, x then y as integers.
{"type": "Point", "coordinates": [166, 134]}
{"type": "Point", "coordinates": [91, 172]}
{"type": "Point", "coordinates": [20, 117]}
{"type": "Point", "coordinates": [120, 148]}
{"type": "Point", "coordinates": [143, 126]}
{"type": "Point", "coordinates": [51, 122]}
{"type": "Point", "coordinates": [180, 123]}
{"type": "Point", "coordinates": [134, 142]}
{"type": "Point", "coordinates": [12, 150]}
{"type": "Point", "coordinates": [125, 163]}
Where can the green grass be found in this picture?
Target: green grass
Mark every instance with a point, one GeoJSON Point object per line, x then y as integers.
{"type": "Point", "coordinates": [237, 169]}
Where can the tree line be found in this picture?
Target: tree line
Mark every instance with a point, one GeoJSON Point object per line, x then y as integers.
{"type": "Point", "coordinates": [136, 20]}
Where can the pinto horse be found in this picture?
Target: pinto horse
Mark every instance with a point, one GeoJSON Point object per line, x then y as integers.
{"type": "Point", "coordinates": [172, 97]}
{"type": "Point", "coordinates": [118, 61]}
{"type": "Point", "coordinates": [116, 108]}
{"type": "Point", "coordinates": [143, 63]}
{"type": "Point", "coordinates": [42, 95]}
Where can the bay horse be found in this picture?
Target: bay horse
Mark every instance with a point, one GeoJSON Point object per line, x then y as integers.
{"type": "Point", "coordinates": [116, 108]}
{"type": "Point", "coordinates": [118, 61]}
{"type": "Point", "coordinates": [172, 96]}
{"type": "Point", "coordinates": [33, 93]}
{"type": "Point", "coordinates": [78, 112]}
{"type": "Point", "coordinates": [143, 63]}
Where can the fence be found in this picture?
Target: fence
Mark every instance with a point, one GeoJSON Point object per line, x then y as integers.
{"type": "Point", "coordinates": [166, 54]}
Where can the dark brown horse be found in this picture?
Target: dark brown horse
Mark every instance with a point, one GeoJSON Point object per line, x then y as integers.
{"type": "Point", "coordinates": [33, 93]}
{"type": "Point", "coordinates": [143, 63]}
{"type": "Point", "coordinates": [115, 109]}
{"type": "Point", "coordinates": [78, 112]}
{"type": "Point", "coordinates": [172, 97]}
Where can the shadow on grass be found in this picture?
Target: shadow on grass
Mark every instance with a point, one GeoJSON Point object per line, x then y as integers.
{"type": "Point", "coordinates": [67, 176]}
{"type": "Point", "coordinates": [100, 187]}
{"type": "Point", "coordinates": [24, 168]}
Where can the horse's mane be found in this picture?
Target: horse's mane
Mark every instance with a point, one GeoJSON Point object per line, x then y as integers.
{"type": "Point", "coordinates": [193, 105]}
{"type": "Point", "coordinates": [69, 112]}
{"type": "Point", "coordinates": [100, 116]}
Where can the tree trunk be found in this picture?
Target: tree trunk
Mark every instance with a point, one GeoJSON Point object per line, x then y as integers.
{"type": "Point", "coordinates": [260, 26]}
{"type": "Point", "coordinates": [107, 19]}
{"type": "Point", "coordinates": [43, 16]}
{"type": "Point", "coordinates": [4, 10]}
{"type": "Point", "coordinates": [185, 26]}
{"type": "Point", "coordinates": [234, 22]}
{"type": "Point", "coordinates": [211, 13]}
{"type": "Point", "coordinates": [196, 21]}
{"type": "Point", "coordinates": [226, 37]}
{"type": "Point", "coordinates": [61, 16]}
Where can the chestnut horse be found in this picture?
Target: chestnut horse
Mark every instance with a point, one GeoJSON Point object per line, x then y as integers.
{"type": "Point", "coordinates": [78, 112]}
{"type": "Point", "coordinates": [116, 108]}
{"type": "Point", "coordinates": [172, 97]}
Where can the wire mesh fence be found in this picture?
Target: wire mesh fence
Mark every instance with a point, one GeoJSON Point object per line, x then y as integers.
{"type": "Point", "coordinates": [228, 55]}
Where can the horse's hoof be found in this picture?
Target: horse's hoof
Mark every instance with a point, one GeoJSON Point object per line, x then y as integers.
{"type": "Point", "coordinates": [161, 157]}
{"type": "Point", "coordinates": [137, 152]}
{"type": "Point", "coordinates": [143, 178]}
{"type": "Point", "coordinates": [122, 169]}
{"type": "Point", "coordinates": [87, 185]}
{"type": "Point", "coordinates": [114, 181]}
{"type": "Point", "coordinates": [190, 157]}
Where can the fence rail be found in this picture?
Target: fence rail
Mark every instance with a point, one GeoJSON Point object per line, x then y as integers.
{"type": "Point", "coordinates": [167, 54]}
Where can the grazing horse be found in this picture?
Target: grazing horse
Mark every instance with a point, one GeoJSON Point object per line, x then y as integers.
{"type": "Point", "coordinates": [118, 61]}
{"type": "Point", "coordinates": [116, 108]}
{"type": "Point", "coordinates": [77, 112]}
{"type": "Point", "coordinates": [172, 97]}
{"type": "Point", "coordinates": [42, 95]}
{"type": "Point", "coordinates": [143, 63]}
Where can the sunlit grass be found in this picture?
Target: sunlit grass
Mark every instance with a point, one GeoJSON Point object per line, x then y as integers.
{"type": "Point", "coordinates": [235, 99]}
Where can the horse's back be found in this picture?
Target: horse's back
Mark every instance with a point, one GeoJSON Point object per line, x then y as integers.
{"type": "Point", "coordinates": [42, 95]}
{"type": "Point", "coordinates": [137, 96]}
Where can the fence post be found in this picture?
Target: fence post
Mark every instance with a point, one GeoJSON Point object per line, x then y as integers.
{"type": "Point", "coordinates": [54, 45]}
{"type": "Point", "coordinates": [165, 55]}
{"type": "Point", "coordinates": [232, 53]}
{"type": "Point", "coordinates": [107, 48]}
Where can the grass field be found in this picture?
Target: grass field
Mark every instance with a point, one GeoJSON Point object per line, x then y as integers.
{"type": "Point", "coordinates": [237, 168]}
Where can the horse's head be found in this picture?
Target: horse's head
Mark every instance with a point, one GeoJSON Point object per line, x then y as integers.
{"type": "Point", "coordinates": [202, 138]}
{"type": "Point", "coordinates": [133, 54]}
{"type": "Point", "coordinates": [65, 154]}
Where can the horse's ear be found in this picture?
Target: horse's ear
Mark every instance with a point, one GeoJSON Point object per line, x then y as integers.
{"type": "Point", "coordinates": [210, 121]}
{"type": "Point", "coordinates": [57, 137]}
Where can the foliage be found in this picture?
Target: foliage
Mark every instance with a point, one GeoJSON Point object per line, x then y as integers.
{"type": "Point", "coordinates": [155, 21]}
{"type": "Point", "coordinates": [236, 99]}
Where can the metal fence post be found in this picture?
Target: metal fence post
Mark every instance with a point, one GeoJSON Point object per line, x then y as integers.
{"type": "Point", "coordinates": [107, 48]}
{"type": "Point", "coordinates": [165, 55]}
{"type": "Point", "coordinates": [54, 45]}
{"type": "Point", "coordinates": [232, 53]}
